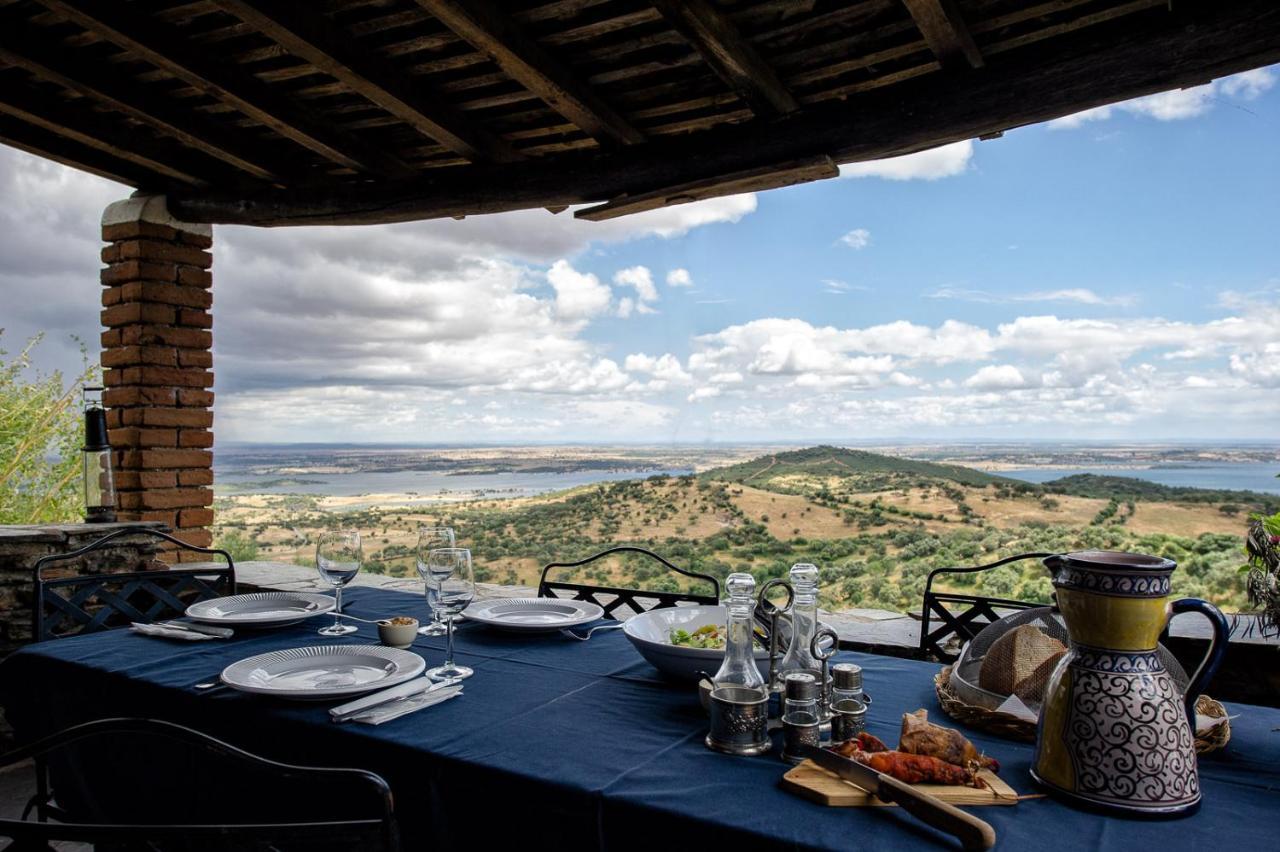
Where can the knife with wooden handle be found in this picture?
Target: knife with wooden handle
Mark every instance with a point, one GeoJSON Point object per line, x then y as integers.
{"type": "Point", "coordinates": [974, 834]}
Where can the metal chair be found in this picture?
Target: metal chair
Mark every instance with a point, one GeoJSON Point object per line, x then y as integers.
{"type": "Point", "coordinates": [975, 612]}
{"type": "Point", "coordinates": [67, 606]}
{"type": "Point", "coordinates": [331, 808]}
{"type": "Point", "coordinates": [612, 599]}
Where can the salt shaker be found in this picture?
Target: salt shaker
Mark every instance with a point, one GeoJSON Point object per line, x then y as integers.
{"type": "Point", "coordinates": [848, 702]}
{"type": "Point", "coordinates": [847, 683]}
{"type": "Point", "coordinates": [800, 720]}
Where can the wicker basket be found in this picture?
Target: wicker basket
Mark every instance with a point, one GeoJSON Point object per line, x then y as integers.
{"type": "Point", "coordinates": [1011, 727]}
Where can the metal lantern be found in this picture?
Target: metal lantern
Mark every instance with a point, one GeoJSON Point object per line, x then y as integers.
{"type": "Point", "coordinates": [99, 482]}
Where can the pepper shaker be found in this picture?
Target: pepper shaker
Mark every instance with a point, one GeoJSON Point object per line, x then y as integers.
{"type": "Point", "coordinates": [799, 716]}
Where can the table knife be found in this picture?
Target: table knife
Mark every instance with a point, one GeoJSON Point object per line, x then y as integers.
{"type": "Point", "coordinates": [973, 833]}
{"type": "Point", "coordinates": [346, 712]}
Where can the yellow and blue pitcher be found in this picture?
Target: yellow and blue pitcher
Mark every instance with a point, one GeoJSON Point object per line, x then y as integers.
{"type": "Point", "coordinates": [1116, 732]}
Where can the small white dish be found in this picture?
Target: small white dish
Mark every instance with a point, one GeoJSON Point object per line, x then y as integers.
{"type": "Point", "coordinates": [650, 632]}
{"type": "Point", "coordinates": [533, 615]}
{"type": "Point", "coordinates": [323, 671]}
{"type": "Point", "coordinates": [398, 635]}
{"type": "Point", "coordinates": [261, 609]}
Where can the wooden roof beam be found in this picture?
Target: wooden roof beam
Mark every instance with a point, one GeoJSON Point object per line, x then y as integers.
{"type": "Point", "coordinates": [27, 47]}
{"type": "Point", "coordinates": [773, 176]}
{"type": "Point", "coordinates": [310, 37]}
{"type": "Point", "coordinates": [51, 114]}
{"type": "Point", "coordinates": [944, 30]}
{"type": "Point", "coordinates": [40, 142]}
{"type": "Point", "coordinates": [734, 59]}
{"type": "Point", "coordinates": [491, 31]}
{"type": "Point", "coordinates": [167, 48]}
{"type": "Point", "coordinates": [1156, 52]}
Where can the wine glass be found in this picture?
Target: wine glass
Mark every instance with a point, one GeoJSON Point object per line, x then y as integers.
{"type": "Point", "coordinates": [450, 570]}
{"type": "Point", "coordinates": [338, 561]}
{"type": "Point", "coordinates": [429, 539]}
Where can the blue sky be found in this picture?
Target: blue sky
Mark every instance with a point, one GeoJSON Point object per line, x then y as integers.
{"type": "Point", "coordinates": [1110, 275]}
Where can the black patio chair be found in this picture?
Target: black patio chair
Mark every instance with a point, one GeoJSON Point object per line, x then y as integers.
{"type": "Point", "coordinates": [961, 616]}
{"type": "Point", "coordinates": [611, 599]}
{"type": "Point", "coordinates": [126, 801]}
{"type": "Point", "coordinates": [67, 606]}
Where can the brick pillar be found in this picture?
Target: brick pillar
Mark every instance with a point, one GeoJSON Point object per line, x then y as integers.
{"type": "Point", "coordinates": [156, 363]}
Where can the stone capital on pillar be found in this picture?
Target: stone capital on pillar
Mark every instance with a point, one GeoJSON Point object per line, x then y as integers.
{"type": "Point", "coordinates": [156, 360]}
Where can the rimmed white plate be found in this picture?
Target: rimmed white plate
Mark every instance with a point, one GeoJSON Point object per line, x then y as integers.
{"type": "Point", "coordinates": [261, 609]}
{"type": "Point", "coordinates": [533, 615]}
{"type": "Point", "coordinates": [323, 671]}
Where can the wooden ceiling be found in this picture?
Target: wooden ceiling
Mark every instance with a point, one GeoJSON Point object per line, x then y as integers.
{"type": "Point", "coordinates": [362, 111]}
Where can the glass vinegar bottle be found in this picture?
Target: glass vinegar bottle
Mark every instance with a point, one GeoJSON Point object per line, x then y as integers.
{"type": "Point", "coordinates": [804, 623]}
{"type": "Point", "coordinates": [739, 666]}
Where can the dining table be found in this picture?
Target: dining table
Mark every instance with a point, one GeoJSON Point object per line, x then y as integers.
{"type": "Point", "coordinates": [558, 743]}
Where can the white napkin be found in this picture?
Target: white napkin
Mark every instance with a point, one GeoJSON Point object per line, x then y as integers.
{"type": "Point", "coordinates": [1014, 706]}
{"type": "Point", "coordinates": [395, 709]}
{"type": "Point", "coordinates": [1205, 724]}
{"type": "Point", "coordinates": [163, 632]}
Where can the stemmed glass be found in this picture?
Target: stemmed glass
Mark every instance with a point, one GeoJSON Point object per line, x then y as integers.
{"type": "Point", "coordinates": [450, 570]}
{"type": "Point", "coordinates": [338, 560]}
{"type": "Point", "coordinates": [429, 539]}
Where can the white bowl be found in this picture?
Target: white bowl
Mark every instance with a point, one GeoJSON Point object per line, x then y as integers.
{"type": "Point", "coordinates": [650, 632]}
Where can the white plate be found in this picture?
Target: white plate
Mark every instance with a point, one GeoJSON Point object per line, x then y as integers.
{"type": "Point", "coordinates": [650, 632]}
{"type": "Point", "coordinates": [533, 615]}
{"type": "Point", "coordinates": [323, 671]}
{"type": "Point", "coordinates": [262, 609]}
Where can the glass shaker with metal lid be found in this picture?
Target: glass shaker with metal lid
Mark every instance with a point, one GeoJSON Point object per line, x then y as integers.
{"type": "Point", "coordinates": [739, 666]}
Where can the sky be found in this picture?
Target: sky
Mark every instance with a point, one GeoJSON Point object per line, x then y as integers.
{"type": "Point", "coordinates": [1110, 275]}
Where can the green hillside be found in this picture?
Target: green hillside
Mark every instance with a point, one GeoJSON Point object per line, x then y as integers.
{"type": "Point", "coordinates": [873, 471]}
{"type": "Point", "coordinates": [1129, 488]}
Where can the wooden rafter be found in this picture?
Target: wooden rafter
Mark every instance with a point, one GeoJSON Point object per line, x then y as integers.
{"type": "Point", "coordinates": [43, 110]}
{"type": "Point", "coordinates": [944, 30]}
{"type": "Point", "coordinates": [772, 176]}
{"type": "Point", "coordinates": [40, 142]}
{"type": "Point", "coordinates": [307, 35]}
{"type": "Point", "coordinates": [731, 56]}
{"type": "Point", "coordinates": [26, 47]}
{"type": "Point", "coordinates": [163, 47]}
{"type": "Point", "coordinates": [492, 32]}
{"type": "Point", "coordinates": [1086, 70]}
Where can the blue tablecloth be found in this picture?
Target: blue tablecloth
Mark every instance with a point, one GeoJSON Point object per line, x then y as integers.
{"type": "Point", "coordinates": [579, 745]}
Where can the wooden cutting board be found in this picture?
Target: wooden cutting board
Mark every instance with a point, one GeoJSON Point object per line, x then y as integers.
{"type": "Point", "coordinates": [826, 788]}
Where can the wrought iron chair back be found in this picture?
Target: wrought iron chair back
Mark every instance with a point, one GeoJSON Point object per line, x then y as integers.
{"type": "Point", "coordinates": [612, 599]}
{"type": "Point", "coordinates": [966, 615]}
{"type": "Point", "coordinates": [67, 606]}
{"type": "Point", "coordinates": [365, 791]}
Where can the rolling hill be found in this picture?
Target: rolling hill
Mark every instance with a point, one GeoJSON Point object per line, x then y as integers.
{"type": "Point", "coordinates": [878, 471]}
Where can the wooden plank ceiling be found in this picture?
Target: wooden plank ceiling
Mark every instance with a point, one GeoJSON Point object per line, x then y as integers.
{"type": "Point", "coordinates": [270, 113]}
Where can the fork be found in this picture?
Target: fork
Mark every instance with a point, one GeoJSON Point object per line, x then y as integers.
{"type": "Point", "coordinates": [592, 631]}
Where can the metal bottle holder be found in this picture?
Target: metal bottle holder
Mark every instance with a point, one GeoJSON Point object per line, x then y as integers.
{"type": "Point", "coordinates": [773, 612]}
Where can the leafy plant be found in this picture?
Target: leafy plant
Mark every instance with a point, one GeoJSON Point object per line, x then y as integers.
{"type": "Point", "coordinates": [40, 436]}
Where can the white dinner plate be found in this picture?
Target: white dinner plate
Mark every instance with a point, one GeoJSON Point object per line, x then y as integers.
{"type": "Point", "coordinates": [261, 609]}
{"type": "Point", "coordinates": [323, 671]}
{"type": "Point", "coordinates": [533, 615]}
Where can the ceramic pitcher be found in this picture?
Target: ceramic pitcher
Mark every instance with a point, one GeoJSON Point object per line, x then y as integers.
{"type": "Point", "coordinates": [1115, 731]}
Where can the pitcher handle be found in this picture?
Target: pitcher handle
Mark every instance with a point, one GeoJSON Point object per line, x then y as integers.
{"type": "Point", "coordinates": [1217, 649]}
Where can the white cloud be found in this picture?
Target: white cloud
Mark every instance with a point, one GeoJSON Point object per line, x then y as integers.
{"type": "Point", "coordinates": [1260, 368]}
{"type": "Point", "coordinates": [665, 368]}
{"type": "Point", "coordinates": [836, 287]}
{"type": "Point", "coordinates": [640, 279]}
{"type": "Point", "coordinates": [679, 278]}
{"type": "Point", "coordinates": [935, 163]}
{"type": "Point", "coordinates": [857, 239]}
{"type": "Point", "coordinates": [993, 376]}
{"type": "Point", "coordinates": [702, 393]}
{"type": "Point", "coordinates": [1079, 295]}
{"type": "Point", "coordinates": [579, 295]}
{"type": "Point", "coordinates": [1179, 104]}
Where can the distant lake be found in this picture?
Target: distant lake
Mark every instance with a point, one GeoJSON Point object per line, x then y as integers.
{"type": "Point", "coordinates": [1234, 477]}
{"type": "Point", "coordinates": [427, 485]}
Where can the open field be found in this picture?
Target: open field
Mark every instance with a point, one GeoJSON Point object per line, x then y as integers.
{"type": "Point", "coordinates": [876, 526]}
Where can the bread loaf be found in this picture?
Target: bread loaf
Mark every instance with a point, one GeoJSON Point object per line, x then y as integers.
{"type": "Point", "coordinates": [1019, 663]}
